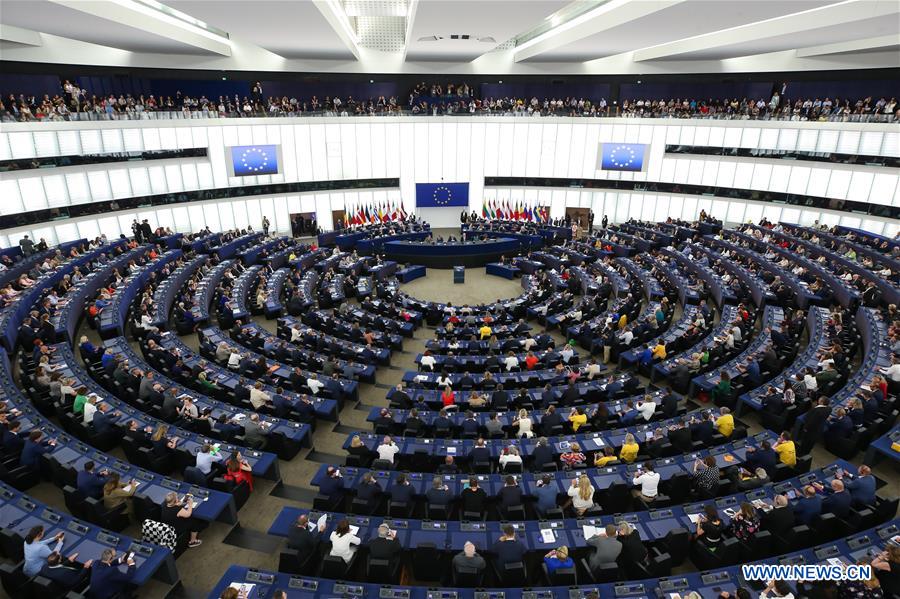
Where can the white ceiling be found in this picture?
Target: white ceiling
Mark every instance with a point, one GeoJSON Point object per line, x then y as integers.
{"type": "Point", "coordinates": [692, 16]}
{"type": "Point", "coordinates": [289, 29]}
{"type": "Point", "coordinates": [391, 36]}
{"type": "Point", "coordinates": [496, 20]}
{"type": "Point", "coordinates": [49, 17]}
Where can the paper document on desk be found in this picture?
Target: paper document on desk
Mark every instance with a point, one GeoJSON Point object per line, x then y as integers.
{"type": "Point", "coordinates": [695, 518]}
{"type": "Point", "coordinates": [354, 530]}
{"type": "Point", "coordinates": [244, 589]}
{"type": "Point", "coordinates": [590, 531]}
{"type": "Point", "coordinates": [547, 535]}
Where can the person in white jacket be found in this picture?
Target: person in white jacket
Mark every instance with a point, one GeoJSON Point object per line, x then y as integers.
{"type": "Point", "coordinates": [343, 542]}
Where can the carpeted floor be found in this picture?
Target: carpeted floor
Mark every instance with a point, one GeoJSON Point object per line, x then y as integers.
{"type": "Point", "coordinates": [248, 544]}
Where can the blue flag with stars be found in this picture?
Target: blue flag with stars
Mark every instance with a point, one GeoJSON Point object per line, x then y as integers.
{"type": "Point", "coordinates": [254, 160]}
{"type": "Point", "coordinates": [440, 195]}
{"type": "Point", "coordinates": [622, 157]}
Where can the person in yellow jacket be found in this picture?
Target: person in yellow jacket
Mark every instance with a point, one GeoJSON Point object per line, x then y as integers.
{"type": "Point", "coordinates": [725, 422]}
{"type": "Point", "coordinates": [623, 322]}
{"type": "Point", "coordinates": [485, 331]}
{"type": "Point", "coordinates": [659, 352]}
{"type": "Point", "coordinates": [786, 450]}
{"type": "Point", "coordinates": [630, 449]}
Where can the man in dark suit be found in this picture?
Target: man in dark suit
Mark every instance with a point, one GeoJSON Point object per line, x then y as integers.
{"type": "Point", "coordinates": [571, 395]}
{"type": "Point", "coordinates": [103, 420]}
{"type": "Point", "coordinates": [680, 437]}
{"type": "Point", "coordinates": [500, 399]}
{"type": "Point", "coordinates": [400, 398]}
{"type": "Point", "coordinates": [542, 454]}
{"type": "Point", "coordinates": [470, 424]}
{"type": "Point", "coordinates": [401, 491]}
{"type": "Point", "coordinates": [473, 497]}
{"type": "Point", "coordinates": [13, 442]}
{"type": "Point", "coordinates": [89, 483]}
{"type": "Point", "coordinates": [303, 538]}
{"type": "Point", "coordinates": [862, 488]}
{"type": "Point", "coordinates": [702, 429]}
{"type": "Point", "coordinates": [438, 494]}
{"type": "Point", "coordinates": [107, 580]}
{"type": "Point", "coordinates": [480, 453]}
{"type": "Point", "coordinates": [837, 499]}
{"type": "Point", "coordinates": [813, 426]}
{"type": "Point", "coordinates": [780, 519]}
{"type": "Point", "coordinates": [332, 486]}
{"type": "Point", "coordinates": [550, 420]}
{"type": "Point", "coordinates": [669, 404]}
{"type": "Point", "coordinates": [508, 549]}
{"type": "Point", "coordinates": [510, 494]}
{"type": "Point", "coordinates": [808, 507]}
{"type": "Point", "coordinates": [386, 546]}
{"type": "Point", "coordinates": [839, 425]}
{"type": "Point", "coordinates": [66, 573]}
{"type": "Point", "coordinates": [448, 467]}
{"type": "Point", "coordinates": [764, 457]}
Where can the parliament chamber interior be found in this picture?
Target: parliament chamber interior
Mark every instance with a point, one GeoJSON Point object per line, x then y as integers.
{"type": "Point", "coordinates": [414, 299]}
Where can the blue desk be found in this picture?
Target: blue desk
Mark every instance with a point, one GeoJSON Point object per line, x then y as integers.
{"type": "Point", "coordinates": [501, 270]}
{"type": "Point", "coordinates": [411, 273]}
{"type": "Point", "coordinates": [446, 255]}
{"type": "Point", "coordinates": [12, 316]}
{"type": "Point", "coordinates": [729, 313]}
{"type": "Point", "coordinates": [264, 464]}
{"type": "Point", "coordinates": [317, 340]}
{"type": "Point", "coordinates": [297, 434]}
{"type": "Point", "coordinates": [71, 453]}
{"type": "Point", "coordinates": [211, 336]}
{"type": "Point", "coordinates": [113, 317]}
{"type": "Point", "coordinates": [206, 290]}
{"type": "Point", "coordinates": [881, 447]}
{"type": "Point", "coordinates": [168, 289]}
{"type": "Point", "coordinates": [231, 248]}
{"type": "Point", "coordinates": [752, 282]}
{"type": "Point", "coordinates": [815, 326]}
{"type": "Point", "coordinates": [730, 454]}
{"type": "Point", "coordinates": [889, 288]}
{"type": "Point", "coordinates": [375, 245]}
{"type": "Point", "coordinates": [20, 512]}
{"type": "Point", "coordinates": [843, 292]}
{"type": "Point", "coordinates": [256, 337]}
{"type": "Point", "coordinates": [771, 318]}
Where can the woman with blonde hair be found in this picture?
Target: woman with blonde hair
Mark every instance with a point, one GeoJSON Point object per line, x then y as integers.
{"type": "Point", "coordinates": [630, 449]}
{"type": "Point", "coordinates": [558, 558]}
{"type": "Point", "coordinates": [582, 493]}
{"type": "Point", "coordinates": [523, 421]}
{"type": "Point", "coordinates": [179, 515]}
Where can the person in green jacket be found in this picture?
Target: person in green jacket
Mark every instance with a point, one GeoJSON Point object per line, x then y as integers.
{"type": "Point", "coordinates": [80, 400]}
{"type": "Point", "coordinates": [723, 388]}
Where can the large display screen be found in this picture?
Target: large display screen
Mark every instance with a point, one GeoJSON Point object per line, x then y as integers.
{"type": "Point", "coordinates": [622, 157]}
{"type": "Point", "coordinates": [254, 160]}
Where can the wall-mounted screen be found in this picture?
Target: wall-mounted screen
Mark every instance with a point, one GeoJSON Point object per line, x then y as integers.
{"type": "Point", "coordinates": [254, 160]}
{"type": "Point", "coordinates": [622, 157]}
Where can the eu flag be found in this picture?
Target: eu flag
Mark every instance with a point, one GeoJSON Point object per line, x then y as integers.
{"type": "Point", "coordinates": [622, 157]}
{"type": "Point", "coordinates": [254, 160]}
{"type": "Point", "coordinates": [440, 195]}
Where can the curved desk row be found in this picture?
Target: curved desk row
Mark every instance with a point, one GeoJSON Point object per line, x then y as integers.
{"type": "Point", "coordinates": [447, 255]}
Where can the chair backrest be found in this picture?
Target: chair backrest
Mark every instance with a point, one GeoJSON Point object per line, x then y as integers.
{"type": "Point", "coordinates": [195, 476]}
{"type": "Point", "coordinates": [159, 533]}
{"type": "Point", "coordinates": [333, 567]}
{"type": "Point", "coordinates": [564, 576]}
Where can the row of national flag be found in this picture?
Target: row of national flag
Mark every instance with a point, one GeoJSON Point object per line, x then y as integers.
{"type": "Point", "coordinates": [377, 212]}
{"type": "Point", "coordinates": [517, 210]}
